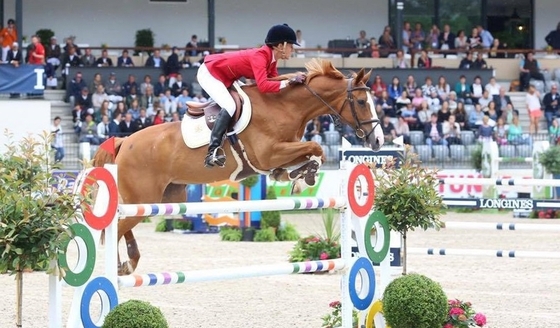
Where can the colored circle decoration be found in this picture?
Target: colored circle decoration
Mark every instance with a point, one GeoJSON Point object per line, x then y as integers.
{"type": "Point", "coordinates": [86, 256]}
{"type": "Point", "coordinates": [376, 308]}
{"type": "Point", "coordinates": [361, 266]}
{"type": "Point", "coordinates": [103, 175]}
{"type": "Point", "coordinates": [363, 171]}
{"type": "Point", "coordinates": [377, 256]}
{"type": "Point", "coordinates": [108, 301]}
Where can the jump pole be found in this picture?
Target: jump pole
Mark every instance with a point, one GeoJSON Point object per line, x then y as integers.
{"type": "Point", "coordinates": [484, 252]}
{"type": "Point", "coordinates": [502, 226]}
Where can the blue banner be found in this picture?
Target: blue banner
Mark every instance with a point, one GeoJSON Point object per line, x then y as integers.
{"type": "Point", "coordinates": [22, 79]}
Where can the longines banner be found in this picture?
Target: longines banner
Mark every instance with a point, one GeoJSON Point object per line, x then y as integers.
{"type": "Point", "coordinates": [23, 79]}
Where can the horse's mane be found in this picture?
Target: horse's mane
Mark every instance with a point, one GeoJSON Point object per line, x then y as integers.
{"type": "Point", "coordinates": [315, 67]}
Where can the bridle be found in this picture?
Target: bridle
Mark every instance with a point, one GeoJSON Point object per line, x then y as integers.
{"type": "Point", "coordinates": [357, 125]}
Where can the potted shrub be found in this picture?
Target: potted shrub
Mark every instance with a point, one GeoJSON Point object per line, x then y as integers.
{"type": "Point", "coordinates": [45, 35]}
{"type": "Point", "coordinates": [144, 38]}
{"type": "Point", "coordinates": [550, 160]}
{"type": "Point", "coordinates": [248, 232]}
{"type": "Point", "coordinates": [414, 301]}
{"type": "Point", "coordinates": [134, 313]}
{"type": "Point", "coordinates": [270, 219]}
{"type": "Point", "coordinates": [411, 189]}
{"type": "Point", "coordinates": [34, 214]}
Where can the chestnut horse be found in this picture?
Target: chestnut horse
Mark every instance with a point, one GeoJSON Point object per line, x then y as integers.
{"type": "Point", "coordinates": [155, 165]}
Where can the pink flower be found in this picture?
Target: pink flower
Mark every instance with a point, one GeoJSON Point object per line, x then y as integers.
{"type": "Point", "coordinates": [448, 325]}
{"type": "Point", "coordinates": [324, 256]}
{"type": "Point", "coordinates": [480, 319]}
{"type": "Point", "coordinates": [334, 304]}
{"type": "Point", "coordinates": [454, 303]}
{"type": "Point", "coordinates": [456, 311]}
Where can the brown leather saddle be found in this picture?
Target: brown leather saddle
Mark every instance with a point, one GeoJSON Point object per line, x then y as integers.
{"type": "Point", "coordinates": [211, 109]}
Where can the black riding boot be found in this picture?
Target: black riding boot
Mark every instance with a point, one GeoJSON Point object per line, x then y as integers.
{"type": "Point", "coordinates": [220, 126]}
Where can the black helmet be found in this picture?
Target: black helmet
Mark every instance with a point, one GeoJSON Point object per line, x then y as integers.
{"type": "Point", "coordinates": [280, 34]}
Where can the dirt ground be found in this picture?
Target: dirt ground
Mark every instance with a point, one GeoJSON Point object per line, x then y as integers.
{"type": "Point", "coordinates": [511, 292]}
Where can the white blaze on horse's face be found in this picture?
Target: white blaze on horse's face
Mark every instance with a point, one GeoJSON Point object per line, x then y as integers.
{"type": "Point", "coordinates": [376, 139]}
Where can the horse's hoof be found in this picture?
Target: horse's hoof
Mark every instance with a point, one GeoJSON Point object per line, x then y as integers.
{"type": "Point", "coordinates": [298, 186]}
{"type": "Point", "coordinates": [125, 268]}
{"type": "Point", "coordinates": [311, 174]}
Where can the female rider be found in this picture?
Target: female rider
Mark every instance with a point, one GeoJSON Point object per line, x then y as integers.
{"type": "Point", "coordinates": [219, 71]}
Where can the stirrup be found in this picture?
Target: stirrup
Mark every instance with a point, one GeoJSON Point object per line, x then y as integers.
{"type": "Point", "coordinates": [214, 158]}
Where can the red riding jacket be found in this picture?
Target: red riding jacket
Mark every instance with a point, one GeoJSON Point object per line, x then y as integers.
{"type": "Point", "coordinates": [254, 64]}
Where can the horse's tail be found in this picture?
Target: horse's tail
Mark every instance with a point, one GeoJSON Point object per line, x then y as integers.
{"type": "Point", "coordinates": [103, 157]}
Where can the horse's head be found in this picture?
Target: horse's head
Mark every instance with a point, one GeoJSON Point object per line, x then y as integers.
{"type": "Point", "coordinates": [354, 105]}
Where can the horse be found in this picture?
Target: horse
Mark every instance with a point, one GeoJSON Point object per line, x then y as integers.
{"type": "Point", "coordinates": [155, 165]}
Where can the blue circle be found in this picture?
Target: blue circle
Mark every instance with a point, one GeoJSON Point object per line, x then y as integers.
{"type": "Point", "coordinates": [98, 284]}
{"type": "Point", "coordinates": [365, 264]}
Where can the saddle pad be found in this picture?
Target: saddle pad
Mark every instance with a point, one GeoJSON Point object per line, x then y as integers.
{"type": "Point", "coordinates": [196, 133]}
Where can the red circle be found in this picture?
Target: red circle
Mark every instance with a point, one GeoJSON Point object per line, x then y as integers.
{"type": "Point", "coordinates": [103, 221]}
{"type": "Point", "coordinates": [361, 210]}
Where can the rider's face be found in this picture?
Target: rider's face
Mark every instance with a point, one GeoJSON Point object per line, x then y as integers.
{"type": "Point", "coordinates": [283, 51]}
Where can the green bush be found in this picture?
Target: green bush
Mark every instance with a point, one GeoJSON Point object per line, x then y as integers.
{"type": "Point", "coordinates": [135, 314]}
{"type": "Point", "coordinates": [270, 218]}
{"type": "Point", "coordinates": [414, 301]}
{"type": "Point", "coordinates": [287, 232]}
{"type": "Point", "coordinates": [267, 234]}
{"type": "Point", "coordinates": [230, 234]}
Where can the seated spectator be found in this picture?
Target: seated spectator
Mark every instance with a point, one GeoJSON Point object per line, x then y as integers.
{"type": "Point", "coordinates": [349, 134]}
{"type": "Point", "coordinates": [479, 62]}
{"type": "Point", "coordinates": [395, 90]}
{"type": "Point", "coordinates": [475, 117]}
{"type": "Point", "coordinates": [461, 42]}
{"type": "Point", "coordinates": [475, 40]}
{"type": "Point", "coordinates": [402, 129]}
{"type": "Point", "coordinates": [388, 130]}
{"type": "Point", "coordinates": [428, 88]}
{"type": "Point", "coordinates": [88, 131]}
{"type": "Point", "coordinates": [452, 100]}
{"type": "Point", "coordinates": [159, 117]}
{"type": "Point", "coordinates": [493, 87]}
{"type": "Point", "coordinates": [88, 60]}
{"type": "Point", "coordinates": [529, 69]}
{"type": "Point", "coordinates": [386, 42]}
{"type": "Point", "coordinates": [463, 90]}
{"type": "Point", "coordinates": [128, 85]}
{"type": "Point", "coordinates": [147, 83]}
{"type": "Point", "coordinates": [509, 113]}
{"type": "Point", "coordinates": [550, 103]}
{"type": "Point", "coordinates": [402, 101]}
{"type": "Point", "coordinates": [443, 114]}
{"type": "Point", "coordinates": [452, 131]}
{"type": "Point", "coordinates": [386, 105]}
{"type": "Point", "coordinates": [131, 96]}
{"type": "Point", "coordinates": [373, 49]}
{"type": "Point", "coordinates": [554, 131]}
{"type": "Point", "coordinates": [313, 130]}
{"type": "Point", "coordinates": [114, 129]}
{"type": "Point", "coordinates": [53, 53]}
{"type": "Point", "coordinates": [186, 62]}
{"type": "Point", "coordinates": [200, 98]}
{"type": "Point", "coordinates": [500, 132]}
{"type": "Point", "coordinates": [409, 115]}
{"type": "Point", "coordinates": [443, 88]}
{"type": "Point", "coordinates": [103, 129]}
{"type": "Point", "coordinates": [168, 103]}
{"type": "Point", "coordinates": [485, 130]}
{"type": "Point", "coordinates": [516, 135]}
{"type": "Point", "coordinates": [173, 66]}
{"type": "Point", "coordinates": [491, 111]}
{"type": "Point", "coordinates": [446, 39]}
{"type": "Point", "coordinates": [104, 60]}
{"type": "Point", "coordinates": [477, 90]}
{"type": "Point", "coordinates": [460, 115]}
{"type": "Point", "coordinates": [126, 126]}
{"type": "Point", "coordinates": [378, 86]}
{"type": "Point", "coordinates": [155, 60]}
{"type": "Point", "coordinates": [400, 61]}
{"type": "Point", "coordinates": [433, 132]}
{"type": "Point", "coordinates": [124, 60]}
{"type": "Point", "coordinates": [99, 97]}
{"type": "Point", "coordinates": [97, 81]}
{"type": "Point", "coordinates": [496, 46]}
{"type": "Point", "coordinates": [434, 102]}
{"type": "Point", "coordinates": [103, 110]}
{"type": "Point", "coordinates": [424, 61]}
{"type": "Point", "coordinates": [84, 100]}
{"type": "Point", "coordinates": [467, 62]}
{"type": "Point", "coordinates": [410, 85]}
{"type": "Point", "coordinates": [424, 113]}
{"type": "Point", "coordinates": [417, 37]}
{"type": "Point", "coordinates": [160, 86]}
{"type": "Point", "coordinates": [502, 100]}
{"type": "Point", "coordinates": [112, 86]}
{"type": "Point", "coordinates": [432, 40]}
{"type": "Point", "coordinates": [142, 121]}
{"type": "Point", "coordinates": [418, 98]}
{"type": "Point", "coordinates": [177, 87]}
{"type": "Point", "coordinates": [120, 108]}
{"type": "Point", "coordinates": [182, 101]}
{"type": "Point", "coordinates": [485, 99]}
{"type": "Point", "coordinates": [192, 46]}
{"type": "Point", "coordinates": [148, 101]}
{"type": "Point", "coordinates": [76, 86]}
{"type": "Point", "coordinates": [175, 117]}
{"type": "Point", "coordinates": [134, 109]}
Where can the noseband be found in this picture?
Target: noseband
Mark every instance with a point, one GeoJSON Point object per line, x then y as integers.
{"type": "Point", "coordinates": [357, 125]}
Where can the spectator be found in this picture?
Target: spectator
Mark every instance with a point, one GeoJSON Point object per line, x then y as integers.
{"type": "Point", "coordinates": [433, 131]}
{"type": "Point", "coordinates": [192, 47]}
{"type": "Point", "coordinates": [88, 60]}
{"type": "Point", "coordinates": [104, 60]}
{"type": "Point", "coordinates": [485, 99]}
{"type": "Point", "coordinates": [509, 113]}
{"type": "Point", "coordinates": [8, 35]}
{"type": "Point", "coordinates": [103, 130]}
{"type": "Point", "coordinates": [97, 81]}
{"type": "Point", "coordinates": [553, 38]}
{"type": "Point", "coordinates": [182, 101]}
{"type": "Point", "coordinates": [485, 36]}
{"type": "Point", "coordinates": [76, 87]}
{"type": "Point", "coordinates": [500, 132]}
{"type": "Point", "coordinates": [550, 102]}
{"type": "Point", "coordinates": [168, 103]}
{"type": "Point", "coordinates": [467, 62]}
{"type": "Point", "coordinates": [461, 41]}
{"type": "Point", "coordinates": [57, 144]}
{"type": "Point", "coordinates": [400, 61]}
{"type": "Point", "coordinates": [186, 62]}
{"type": "Point", "coordinates": [14, 56]}
{"type": "Point", "coordinates": [418, 98]}
{"type": "Point", "coordinates": [124, 60]}
{"type": "Point", "coordinates": [463, 90]}
{"type": "Point", "coordinates": [496, 46]}
{"type": "Point", "coordinates": [477, 90]}
{"type": "Point", "coordinates": [516, 135]}
{"type": "Point", "coordinates": [88, 132]}
{"type": "Point", "coordinates": [148, 101]}
{"type": "Point", "coordinates": [374, 49]}
{"type": "Point", "coordinates": [410, 85]}
{"type": "Point", "coordinates": [443, 88]}
{"type": "Point", "coordinates": [160, 117]}
{"type": "Point", "coordinates": [479, 62]}
{"type": "Point", "coordinates": [387, 105]}
{"type": "Point", "coordinates": [313, 130]}
{"type": "Point", "coordinates": [155, 60]}
{"type": "Point", "coordinates": [395, 90]}
{"type": "Point", "coordinates": [485, 130]}
{"type": "Point", "coordinates": [102, 111]}
{"type": "Point", "coordinates": [447, 38]}
{"type": "Point", "coordinates": [200, 98]}
{"type": "Point", "coordinates": [386, 42]}
{"type": "Point", "coordinates": [71, 44]}
{"type": "Point", "coordinates": [37, 54]}
{"type": "Point", "coordinates": [362, 42]}
{"type": "Point", "coordinates": [554, 131]}
{"type": "Point", "coordinates": [99, 97]}
{"type": "Point", "coordinates": [388, 130]}
{"type": "Point", "coordinates": [492, 112]}
{"type": "Point", "coordinates": [475, 117]}
{"type": "Point", "coordinates": [502, 100]}
{"type": "Point", "coordinates": [69, 59]}
{"type": "Point", "coordinates": [128, 85]}
{"type": "Point", "coordinates": [178, 86]}
{"type": "Point", "coordinates": [112, 86]}
{"type": "Point", "coordinates": [493, 87]}
{"type": "Point", "coordinates": [126, 127]}
{"type": "Point", "coordinates": [424, 114]}
{"type": "Point", "coordinates": [84, 101]}
{"type": "Point", "coordinates": [134, 110]}
{"type": "Point", "coordinates": [424, 61]}
{"type": "Point", "coordinates": [402, 130]}
{"type": "Point", "coordinates": [428, 88]}
{"type": "Point", "coordinates": [452, 100]}
{"type": "Point", "coordinates": [142, 121]}
{"type": "Point", "coordinates": [378, 86]}
{"type": "Point", "coordinates": [433, 37]}
{"type": "Point", "coordinates": [53, 53]}
{"type": "Point", "coordinates": [114, 125]}
{"type": "Point", "coordinates": [533, 101]}
{"type": "Point", "coordinates": [173, 66]}
{"type": "Point", "coordinates": [452, 131]}
{"type": "Point", "coordinates": [161, 85]}
{"type": "Point", "coordinates": [461, 116]}
{"type": "Point", "coordinates": [175, 117]}
{"type": "Point", "coordinates": [402, 101]}
{"type": "Point", "coordinates": [529, 69]}
{"type": "Point", "coordinates": [132, 95]}
{"type": "Point", "coordinates": [474, 41]}
{"type": "Point", "coordinates": [299, 40]}
{"type": "Point", "coordinates": [443, 114]}
{"type": "Point", "coordinates": [409, 115]}
{"type": "Point", "coordinates": [417, 37]}
{"type": "Point", "coordinates": [147, 83]}
{"type": "Point", "coordinates": [406, 35]}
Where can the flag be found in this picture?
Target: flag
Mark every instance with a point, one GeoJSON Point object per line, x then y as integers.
{"type": "Point", "coordinates": [109, 146]}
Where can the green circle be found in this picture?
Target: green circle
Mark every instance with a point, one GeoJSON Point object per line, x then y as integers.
{"type": "Point", "coordinates": [374, 256]}
{"type": "Point", "coordinates": [77, 279]}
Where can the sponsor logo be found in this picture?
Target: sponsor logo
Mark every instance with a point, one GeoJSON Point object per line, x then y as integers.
{"type": "Point", "coordinates": [368, 156]}
{"type": "Point", "coordinates": [525, 204]}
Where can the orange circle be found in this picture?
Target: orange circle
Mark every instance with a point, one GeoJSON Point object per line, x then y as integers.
{"type": "Point", "coordinates": [103, 221]}
{"type": "Point", "coordinates": [364, 171]}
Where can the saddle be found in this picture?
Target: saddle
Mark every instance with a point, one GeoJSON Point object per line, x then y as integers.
{"type": "Point", "coordinates": [210, 110]}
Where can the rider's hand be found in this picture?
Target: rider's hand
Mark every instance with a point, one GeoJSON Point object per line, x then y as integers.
{"type": "Point", "coordinates": [298, 79]}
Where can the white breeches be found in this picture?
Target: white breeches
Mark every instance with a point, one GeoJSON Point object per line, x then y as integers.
{"type": "Point", "coordinates": [215, 89]}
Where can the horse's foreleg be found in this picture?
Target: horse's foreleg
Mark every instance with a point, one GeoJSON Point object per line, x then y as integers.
{"type": "Point", "coordinates": [125, 230]}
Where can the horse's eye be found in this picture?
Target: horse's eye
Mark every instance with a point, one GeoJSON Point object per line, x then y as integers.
{"type": "Point", "coordinates": [361, 102]}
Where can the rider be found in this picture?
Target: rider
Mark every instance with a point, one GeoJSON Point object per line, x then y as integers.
{"type": "Point", "coordinates": [219, 71]}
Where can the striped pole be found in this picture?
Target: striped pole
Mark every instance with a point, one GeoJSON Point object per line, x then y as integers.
{"type": "Point", "coordinates": [169, 278]}
{"type": "Point", "coordinates": [503, 226]}
{"type": "Point", "coordinates": [484, 252]}
{"type": "Point", "coordinates": [501, 182]}
{"type": "Point", "coordinates": [231, 206]}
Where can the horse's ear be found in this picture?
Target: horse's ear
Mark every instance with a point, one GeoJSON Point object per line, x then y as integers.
{"type": "Point", "coordinates": [359, 77]}
{"type": "Point", "coordinates": [366, 77]}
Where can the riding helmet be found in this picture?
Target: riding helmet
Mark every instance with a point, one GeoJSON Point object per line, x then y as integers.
{"type": "Point", "coordinates": [279, 34]}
